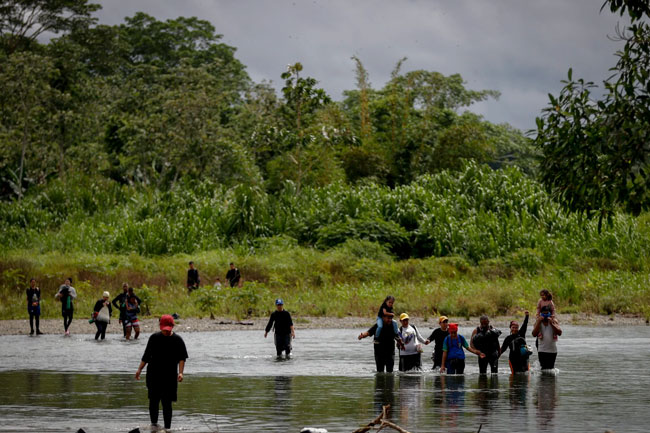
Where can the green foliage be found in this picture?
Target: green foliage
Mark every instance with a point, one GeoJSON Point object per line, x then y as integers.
{"type": "Point", "coordinates": [595, 154]}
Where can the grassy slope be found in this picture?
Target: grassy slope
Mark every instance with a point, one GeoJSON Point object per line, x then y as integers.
{"type": "Point", "coordinates": [327, 283]}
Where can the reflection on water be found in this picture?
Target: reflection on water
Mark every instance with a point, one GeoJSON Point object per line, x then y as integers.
{"type": "Point", "coordinates": [238, 389]}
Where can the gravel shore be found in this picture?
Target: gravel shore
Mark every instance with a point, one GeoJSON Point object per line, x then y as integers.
{"type": "Point", "coordinates": [81, 325]}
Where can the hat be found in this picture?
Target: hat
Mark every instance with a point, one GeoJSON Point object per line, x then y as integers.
{"type": "Point", "coordinates": [166, 322]}
{"type": "Point", "coordinates": [279, 301]}
{"type": "Point", "coordinates": [106, 295]}
{"type": "Point", "coordinates": [403, 316]}
{"type": "Point", "coordinates": [442, 319]}
{"type": "Point", "coordinates": [453, 327]}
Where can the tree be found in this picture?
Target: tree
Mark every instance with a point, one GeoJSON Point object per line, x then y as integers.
{"type": "Point", "coordinates": [28, 116]}
{"type": "Point", "coordinates": [23, 21]}
{"type": "Point", "coordinates": [596, 151]}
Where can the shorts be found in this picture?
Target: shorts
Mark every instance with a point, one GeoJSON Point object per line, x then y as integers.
{"type": "Point", "coordinates": [34, 311]}
{"type": "Point", "coordinates": [135, 323]}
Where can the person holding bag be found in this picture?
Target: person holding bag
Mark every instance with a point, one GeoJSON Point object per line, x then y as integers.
{"type": "Point", "coordinates": [102, 315]}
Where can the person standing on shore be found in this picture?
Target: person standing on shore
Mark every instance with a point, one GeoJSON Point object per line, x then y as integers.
{"type": "Point", "coordinates": [384, 347]}
{"type": "Point", "coordinates": [281, 320]}
{"type": "Point", "coordinates": [166, 355]}
{"type": "Point", "coordinates": [438, 337]}
{"type": "Point", "coordinates": [102, 315]}
{"type": "Point", "coordinates": [546, 330]}
{"type": "Point", "coordinates": [119, 302]}
{"type": "Point", "coordinates": [34, 306]}
{"type": "Point", "coordinates": [516, 343]}
{"type": "Point", "coordinates": [233, 275]}
{"type": "Point", "coordinates": [193, 280]}
{"type": "Point", "coordinates": [66, 295]}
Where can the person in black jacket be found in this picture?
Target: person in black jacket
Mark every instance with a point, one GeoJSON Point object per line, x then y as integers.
{"type": "Point", "coordinates": [233, 275]}
{"type": "Point", "coordinates": [193, 280]}
{"type": "Point", "coordinates": [101, 321]}
{"type": "Point", "coordinates": [384, 346]}
{"type": "Point", "coordinates": [284, 332]}
{"type": "Point", "coordinates": [516, 343]}
{"type": "Point", "coordinates": [486, 339]}
{"type": "Point", "coordinates": [119, 302]}
{"type": "Point", "coordinates": [34, 306]}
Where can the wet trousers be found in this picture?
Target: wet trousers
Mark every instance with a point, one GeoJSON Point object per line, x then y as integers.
{"type": "Point", "coordinates": [492, 361]}
{"type": "Point", "coordinates": [154, 410]}
{"type": "Point", "coordinates": [384, 358]}
{"type": "Point", "coordinates": [546, 360]}
{"type": "Point", "coordinates": [101, 329]}
{"type": "Point", "coordinates": [67, 318]}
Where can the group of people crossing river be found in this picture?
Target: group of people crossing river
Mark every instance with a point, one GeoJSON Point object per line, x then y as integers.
{"type": "Point", "coordinates": [449, 346]}
{"type": "Point", "coordinates": [165, 353]}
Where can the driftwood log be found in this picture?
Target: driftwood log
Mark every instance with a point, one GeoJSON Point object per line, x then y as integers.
{"type": "Point", "coordinates": [380, 423]}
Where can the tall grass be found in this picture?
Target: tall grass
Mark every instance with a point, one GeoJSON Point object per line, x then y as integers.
{"type": "Point", "coordinates": [476, 214]}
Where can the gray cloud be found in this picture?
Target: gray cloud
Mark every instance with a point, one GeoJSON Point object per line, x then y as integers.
{"type": "Point", "coordinates": [522, 48]}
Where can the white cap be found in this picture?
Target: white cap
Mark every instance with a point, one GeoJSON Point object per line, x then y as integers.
{"type": "Point", "coordinates": [106, 295]}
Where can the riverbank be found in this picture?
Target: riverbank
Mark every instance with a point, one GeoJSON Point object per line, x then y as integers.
{"type": "Point", "coordinates": [81, 326]}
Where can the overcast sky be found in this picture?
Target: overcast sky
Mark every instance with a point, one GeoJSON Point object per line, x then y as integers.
{"type": "Point", "coordinates": [522, 48]}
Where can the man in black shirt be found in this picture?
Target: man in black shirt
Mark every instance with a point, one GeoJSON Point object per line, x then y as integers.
{"type": "Point", "coordinates": [119, 302]}
{"type": "Point", "coordinates": [438, 337]}
{"type": "Point", "coordinates": [193, 280]}
{"type": "Point", "coordinates": [385, 344]}
{"type": "Point", "coordinates": [485, 338]}
{"type": "Point", "coordinates": [166, 355]}
{"type": "Point", "coordinates": [34, 306]}
{"type": "Point", "coordinates": [233, 275]}
{"type": "Point", "coordinates": [284, 331]}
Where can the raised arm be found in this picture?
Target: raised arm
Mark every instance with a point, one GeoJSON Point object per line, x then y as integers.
{"type": "Point", "coordinates": [524, 325]}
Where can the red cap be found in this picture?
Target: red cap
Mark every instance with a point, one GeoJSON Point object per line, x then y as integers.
{"type": "Point", "coordinates": [166, 322]}
{"type": "Point", "coordinates": [453, 327]}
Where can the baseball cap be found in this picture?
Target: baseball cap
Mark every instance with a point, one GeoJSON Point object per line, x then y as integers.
{"type": "Point", "coordinates": [403, 316]}
{"type": "Point", "coordinates": [279, 301]}
{"type": "Point", "coordinates": [442, 319]}
{"type": "Point", "coordinates": [166, 322]}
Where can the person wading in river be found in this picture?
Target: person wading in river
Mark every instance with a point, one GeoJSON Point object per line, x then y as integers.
{"type": "Point", "coordinates": [486, 339]}
{"type": "Point", "coordinates": [33, 306]}
{"type": "Point", "coordinates": [516, 343]}
{"type": "Point", "coordinates": [438, 336]}
{"type": "Point", "coordinates": [66, 295]}
{"type": "Point", "coordinates": [120, 303]}
{"type": "Point", "coordinates": [385, 346]}
{"type": "Point", "coordinates": [410, 356]}
{"type": "Point", "coordinates": [102, 315]}
{"type": "Point", "coordinates": [281, 321]}
{"type": "Point", "coordinates": [546, 330]}
{"type": "Point", "coordinates": [166, 355]}
{"type": "Point", "coordinates": [453, 355]}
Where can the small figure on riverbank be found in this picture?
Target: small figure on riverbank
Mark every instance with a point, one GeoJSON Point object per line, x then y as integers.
{"type": "Point", "coordinates": [386, 309]}
{"type": "Point", "coordinates": [546, 330]}
{"type": "Point", "coordinates": [545, 300]}
{"type": "Point", "coordinates": [193, 280]}
{"type": "Point", "coordinates": [516, 343]}
{"type": "Point", "coordinates": [384, 347]}
{"type": "Point", "coordinates": [485, 338]}
{"type": "Point", "coordinates": [438, 337]}
{"type": "Point", "coordinates": [33, 293]}
{"type": "Point", "coordinates": [233, 275]}
{"type": "Point", "coordinates": [281, 321]}
{"type": "Point", "coordinates": [453, 355]}
{"type": "Point", "coordinates": [410, 354]}
{"type": "Point", "coordinates": [217, 284]}
{"type": "Point", "coordinates": [66, 295]}
{"type": "Point", "coordinates": [165, 355]}
{"type": "Point", "coordinates": [102, 315]}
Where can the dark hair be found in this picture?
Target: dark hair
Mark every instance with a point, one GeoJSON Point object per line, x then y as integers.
{"type": "Point", "coordinates": [32, 279]}
{"type": "Point", "coordinates": [69, 279]}
{"type": "Point", "coordinates": [130, 289]}
{"type": "Point", "coordinates": [484, 317]}
{"type": "Point", "coordinates": [389, 298]}
{"type": "Point", "coordinates": [232, 264]}
{"type": "Point", "coordinates": [545, 309]}
{"type": "Point", "coordinates": [191, 262]}
{"type": "Point", "coordinates": [548, 294]}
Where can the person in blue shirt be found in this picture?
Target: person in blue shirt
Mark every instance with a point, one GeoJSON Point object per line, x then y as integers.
{"type": "Point", "coordinates": [453, 355]}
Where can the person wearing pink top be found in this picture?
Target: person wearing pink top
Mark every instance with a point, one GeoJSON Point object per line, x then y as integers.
{"type": "Point", "coordinates": [545, 300]}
